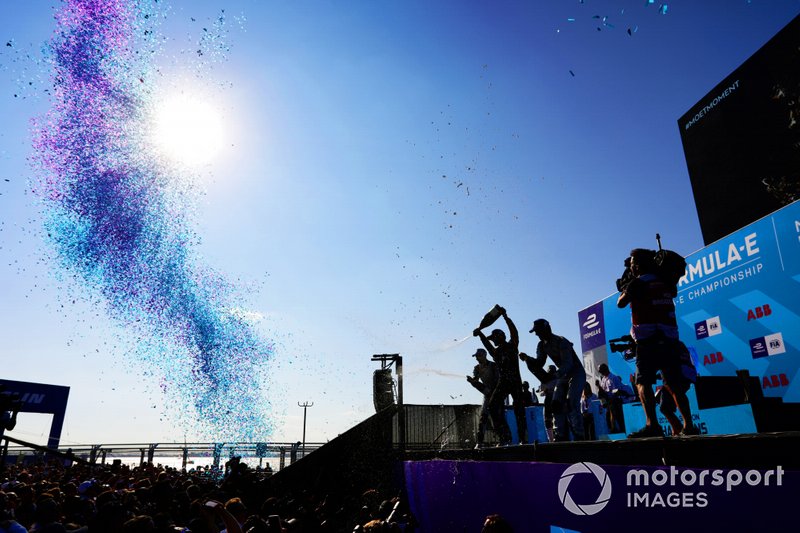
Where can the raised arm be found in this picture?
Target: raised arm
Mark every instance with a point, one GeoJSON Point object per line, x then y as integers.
{"type": "Point", "coordinates": [512, 330]}
{"type": "Point", "coordinates": [486, 344]}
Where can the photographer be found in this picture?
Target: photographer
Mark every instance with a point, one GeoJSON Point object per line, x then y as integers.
{"type": "Point", "coordinates": [9, 408]}
{"type": "Point", "coordinates": [613, 393]}
{"type": "Point", "coordinates": [655, 332]}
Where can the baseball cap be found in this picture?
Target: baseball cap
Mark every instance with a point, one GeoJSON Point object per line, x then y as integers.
{"type": "Point", "coordinates": [539, 322]}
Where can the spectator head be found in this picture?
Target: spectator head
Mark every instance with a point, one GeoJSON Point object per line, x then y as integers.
{"type": "Point", "coordinates": [5, 507]}
{"type": "Point", "coordinates": [237, 509]}
{"type": "Point", "coordinates": [480, 355]}
{"type": "Point", "coordinates": [495, 523]}
{"type": "Point", "coordinates": [374, 526]}
{"type": "Point", "coordinates": [603, 369]}
{"type": "Point", "coordinates": [139, 524]}
{"type": "Point", "coordinates": [47, 511]}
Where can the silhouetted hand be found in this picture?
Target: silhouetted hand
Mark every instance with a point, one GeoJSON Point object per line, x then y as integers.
{"type": "Point", "coordinates": [476, 332]}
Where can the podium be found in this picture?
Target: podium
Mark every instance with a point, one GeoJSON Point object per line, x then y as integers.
{"type": "Point", "coordinates": [534, 417]}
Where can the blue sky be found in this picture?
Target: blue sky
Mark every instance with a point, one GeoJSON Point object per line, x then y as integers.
{"type": "Point", "coordinates": [393, 170]}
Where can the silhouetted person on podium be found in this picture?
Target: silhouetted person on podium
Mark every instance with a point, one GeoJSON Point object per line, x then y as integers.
{"type": "Point", "coordinates": [506, 355]}
{"type": "Point", "coordinates": [528, 395]}
{"type": "Point", "coordinates": [570, 378]}
{"type": "Point", "coordinates": [485, 377]}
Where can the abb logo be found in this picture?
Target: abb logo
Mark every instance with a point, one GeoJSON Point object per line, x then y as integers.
{"type": "Point", "coordinates": [712, 358]}
{"type": "Point", "coordinates": [759, 312]}
{"type": "Point", "coordinates": [775, 380]}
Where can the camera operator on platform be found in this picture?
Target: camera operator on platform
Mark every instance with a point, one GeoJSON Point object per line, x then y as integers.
{"type": "Point", "coordinates": [655, 331]}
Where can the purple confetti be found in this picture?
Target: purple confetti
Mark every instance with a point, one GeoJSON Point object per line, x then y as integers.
{"type": "Point", "coordinates": [119, 220]}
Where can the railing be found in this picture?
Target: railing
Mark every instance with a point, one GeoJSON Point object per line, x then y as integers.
{"type": "Point", "coordinates": [284, 452]}
{"type": "Point", "coordinates": [426, 427]}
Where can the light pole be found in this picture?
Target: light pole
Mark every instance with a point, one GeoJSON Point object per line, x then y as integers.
{"type": "Point", "coordinates": [305, 406]}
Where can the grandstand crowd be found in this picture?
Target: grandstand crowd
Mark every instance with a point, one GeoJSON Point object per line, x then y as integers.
{"type": "Point", "coordinates": [50, 497]}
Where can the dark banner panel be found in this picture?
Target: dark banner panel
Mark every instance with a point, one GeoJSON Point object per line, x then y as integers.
{"type": "Point", "coordinates": [742, 140]}
{"type": "Point", "coordinates": [587, 497]}
{"type": "Point", "coordinates": [39, 398]}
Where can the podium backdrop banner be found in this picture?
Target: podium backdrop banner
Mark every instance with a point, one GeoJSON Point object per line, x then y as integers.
{"type": "Point", "coordinates": [738, 306]}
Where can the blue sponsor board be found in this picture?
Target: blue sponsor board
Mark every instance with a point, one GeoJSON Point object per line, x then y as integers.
{"type": "Point", "coordinates": [728, 420]}
{"type": "Point", "coordinates": [738, 306]}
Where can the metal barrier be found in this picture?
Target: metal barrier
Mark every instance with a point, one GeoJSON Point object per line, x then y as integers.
{"type": "Point", "coordinates": [440, 427]}
{"type": "Point", "coordinates": [285, 453]}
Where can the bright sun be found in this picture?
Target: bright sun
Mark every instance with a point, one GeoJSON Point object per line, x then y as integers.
{"type": "Point", "coordinates": [187, 130]}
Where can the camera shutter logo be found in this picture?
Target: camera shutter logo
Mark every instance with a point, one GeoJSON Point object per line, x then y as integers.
{"type": "Point", "coordinates": [590, 508]}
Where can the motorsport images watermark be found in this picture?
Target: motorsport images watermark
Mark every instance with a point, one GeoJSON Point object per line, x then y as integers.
{"type": "Point", "coordinates": [645, 488]}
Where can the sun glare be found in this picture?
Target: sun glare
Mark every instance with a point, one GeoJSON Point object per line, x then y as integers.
{"type": "Point", "coordinates": [187, 130]}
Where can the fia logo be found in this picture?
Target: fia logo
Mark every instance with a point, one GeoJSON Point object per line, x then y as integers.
{"type": "Point", "coordinates": [766, 346]}
{"type": "Point", "coordinates": [708, 328]}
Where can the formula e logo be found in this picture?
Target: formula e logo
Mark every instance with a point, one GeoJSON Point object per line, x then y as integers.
{"type": "Point", "coordinates": [587, 509]}
{"type": "Point", "coordinates": [708, 328]}
{"type": "Point", "coordinates": [766, 346]}
{"type": "Point", "coordinates": [591, 321]}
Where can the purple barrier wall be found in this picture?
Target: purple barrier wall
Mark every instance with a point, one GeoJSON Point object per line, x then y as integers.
{"type": "Point", "coordinates": [457, 496]}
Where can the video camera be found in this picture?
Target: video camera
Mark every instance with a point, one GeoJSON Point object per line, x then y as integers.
{"type": "Point", "coordinates": [668, 265]}
{"type": "Point", "coordinates": [626, 277]}
{"type": "Point", "coordinates": [624, 345]}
